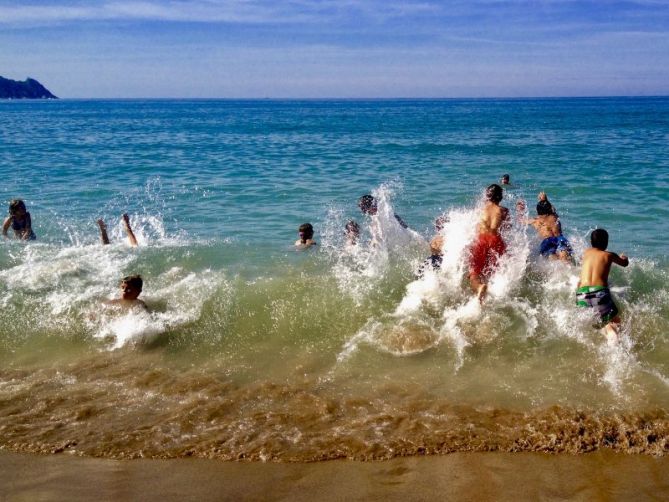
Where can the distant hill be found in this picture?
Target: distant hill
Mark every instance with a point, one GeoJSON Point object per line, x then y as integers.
{"type": "Point", "coordinates": [28, 89]}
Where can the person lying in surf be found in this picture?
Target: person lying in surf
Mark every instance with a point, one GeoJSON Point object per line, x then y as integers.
{"type": "Point", "coordinates": [19, 221]}
{"type": "Point", "coordinates": [352, 233]}
{"type": "Point", "coordinates": [435, 258]}
{"type": "Point", "coordinates": [554, 245]}
{"type": "Point", "coordinates": [488, 245]}
{"type": "Point", "coordinates": [131, 288]}
{"type": "Point", "coordinates": [306, 233]}
{"type": "Point", "coordinates": [132, 240]}
{"type": "Point", "coordinates": [593, 285]}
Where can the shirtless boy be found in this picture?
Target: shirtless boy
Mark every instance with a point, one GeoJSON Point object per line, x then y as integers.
{"type": "Point", "coordinates": [306, 233]}
{"type": "Point", "coordinates": [131, 288]}
{"type": "Point", "coordinates": [593, 287]}
{"type": "Point", "coordinates": [132, 240]}
{"type": "Point", "coordinates": [488, 245]}
{"type": "Point", "coordinates": [554, 245]}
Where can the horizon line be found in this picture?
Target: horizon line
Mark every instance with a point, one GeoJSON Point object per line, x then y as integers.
{"type": "Point", "coordinates": [334, 98]}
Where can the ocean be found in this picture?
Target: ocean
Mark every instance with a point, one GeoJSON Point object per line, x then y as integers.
{"type": "Point", "coordinates": [253, 350]}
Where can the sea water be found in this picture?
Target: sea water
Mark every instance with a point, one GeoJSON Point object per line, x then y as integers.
{"type": "Point", "coordinates": [251, 349]}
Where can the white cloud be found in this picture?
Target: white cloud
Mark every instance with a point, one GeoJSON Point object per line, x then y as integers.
{"type": "Point", "coordinates": [230, 11]}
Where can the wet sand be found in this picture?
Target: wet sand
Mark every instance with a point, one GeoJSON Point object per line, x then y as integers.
{"type": "Point", "coordinates": [463, 476]}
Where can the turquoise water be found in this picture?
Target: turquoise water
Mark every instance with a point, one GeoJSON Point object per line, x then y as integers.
{"type": "Point", "coordinates": [278, 354]}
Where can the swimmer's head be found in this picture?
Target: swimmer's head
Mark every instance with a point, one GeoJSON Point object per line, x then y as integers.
{"type": "Point", "coordinates": [352, 228]}
{"type": "Point", "coordinates": [506, 179]}
{"type": "Point", "coordinates": [367, 204]}
{"type": "Point", "coordinates": [494, 193]}
{"type": "Point", "coordinates": [17, 207]}
{"type": "Point", "coordinates": [440, 223]}
{"type": "Point", "coordinates": [599, 238]}
{"type": "Point", "coordinates": [306, 231]}
{"type": "Point", "coordinates": [131, 287]}
{"type": "Point", "coordinates": [544, 208]}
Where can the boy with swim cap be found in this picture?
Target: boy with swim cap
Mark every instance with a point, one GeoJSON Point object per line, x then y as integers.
{"type": "Point", "coordinates": [306, 233]}
{"type": "Point", "coordinates": [547, 225]}
{"type": "Point", "coordinates": [593, 287]}
{"type": "Point", "coordinates": [488, 245]}
{"type": "Point", "coordinates": [19, 220]}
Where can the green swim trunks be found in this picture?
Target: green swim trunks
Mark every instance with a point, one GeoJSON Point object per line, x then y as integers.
{"type": "Point", "coordinates": [598, 298]}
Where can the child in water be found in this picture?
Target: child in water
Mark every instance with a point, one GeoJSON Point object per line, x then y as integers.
{"type": "Point", "coordinates": [368, 205]}
{"type": "Point", "coordinates": [19, 220]}
{"type": "Point", "coordinates": [554, 245]}
{"type": "Point", "coordinates": [306, 233]}
{"type": "Point", "coordinates": [131, 288]}
{"type": "Point", "coordinates": [132, 240]}
{"type": "Point", "coordinates": [352, 233]}
{"type": "Point", "coordinates": [488, 245]}
{"type": "Point", "coordinates": [436, 256]}
{"type": "Point", "coordinates": [593, 285]}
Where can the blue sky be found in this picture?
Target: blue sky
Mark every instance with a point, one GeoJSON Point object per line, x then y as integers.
{"type": "Point", "coordinates": [337, 48]}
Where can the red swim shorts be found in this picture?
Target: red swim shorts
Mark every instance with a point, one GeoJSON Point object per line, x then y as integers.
{"type": "Point", "coordinates": [485, 252]}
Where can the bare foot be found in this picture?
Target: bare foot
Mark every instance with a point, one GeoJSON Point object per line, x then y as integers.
{"type": "Point", "coordinates": [101, 224]}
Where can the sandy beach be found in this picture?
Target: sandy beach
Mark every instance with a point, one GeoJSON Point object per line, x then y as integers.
{"type": "Point", "coordinates": [462, 476]}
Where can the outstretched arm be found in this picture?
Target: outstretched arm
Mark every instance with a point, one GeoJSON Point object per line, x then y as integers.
{"type": "Point", "coordinates": [103, 231]}
{"type": "Point", "coordinates": [128, 230]}
{"type": "Point", "coordinates": [621, 260]}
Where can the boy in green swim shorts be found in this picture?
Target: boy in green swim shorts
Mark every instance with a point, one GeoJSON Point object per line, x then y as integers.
{"type": "Point", "coordinates": [593, 287]}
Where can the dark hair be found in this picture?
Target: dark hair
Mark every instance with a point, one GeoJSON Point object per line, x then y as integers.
{"type": "Point", "coordinates": [15, 205]}
{"type": "Point", "coordinates": [494, 193]}
{"type": "Point", "coordinates": [307, 229]}
{"type": "Point", "coordinates": [599, 238]}
{"type": "Point", "coordinates": [134, 281]}
{"type": "Point", "coordinates": [366, 203]}
{"type": "Point", "coordinates": [505, 177]}
{"type": "Point", "coordinates": [352, 227]}
{"type": "Point", "coordinates": [544, 208]}
{"type": "Point", "coordinates": [440, 222]}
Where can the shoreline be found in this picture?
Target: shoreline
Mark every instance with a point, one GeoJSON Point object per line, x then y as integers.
{"type": "Point", "coordinates": [601, 475]}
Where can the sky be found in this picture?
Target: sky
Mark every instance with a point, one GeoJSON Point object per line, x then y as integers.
{"type": "Point", "coordinates": [337, 48]}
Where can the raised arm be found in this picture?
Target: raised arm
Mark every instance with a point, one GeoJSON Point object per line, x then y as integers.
{"type": "Point", "coordinates": [103, 231]}
{"type": "Point", "coordinates": [128, 230]}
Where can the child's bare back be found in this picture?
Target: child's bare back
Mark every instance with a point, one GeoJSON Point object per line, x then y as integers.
{"type": "Point", "coordinates": [593, 285]}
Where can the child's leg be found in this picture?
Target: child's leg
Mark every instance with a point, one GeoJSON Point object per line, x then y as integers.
{"type": "Point", "coordinates": [128, 230]}
{"type": "Point", "coordinates": [479, 287]}
{"type": "Point", "coordinates": [612, 330]}
{"type": "Point", "coordinates": [103, 231]}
